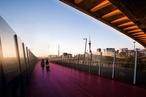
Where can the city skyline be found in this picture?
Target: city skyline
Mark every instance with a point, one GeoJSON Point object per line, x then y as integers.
{"type": "Point", "coordinates": [43, 25]}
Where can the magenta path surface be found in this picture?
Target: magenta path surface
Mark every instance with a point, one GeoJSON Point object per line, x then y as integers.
{"type": "Point", "coordinates": [66, 82]}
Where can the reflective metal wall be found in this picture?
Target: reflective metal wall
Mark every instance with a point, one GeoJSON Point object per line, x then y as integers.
{"type": "Point", "coordinates": [16, 64]}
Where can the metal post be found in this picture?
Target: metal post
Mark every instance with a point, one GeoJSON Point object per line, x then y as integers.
{"type": "Point", "coordinates": [2, 71]}
{"type": "Point", "coordinates": [70, 58]}
{"type": "Point", "coordinates": [114, 61]}
{"type": "Point", "coordinates": [84, 52]}
{"type": "Point", "coordinates": [19, 63]}
{"type": "Point", "coordinates": [29, 62]}
{"type": "Point", "coordinates": [90, 62]}
{"type": "Point", "coordinates": [17, 53]}
{"type": "Point", "coordinates": [25, 61]}
{"type": "Point", "coordinates": [78, 60]}
{"type": "Point", "coordinates": [135, 66]}
{"type": "Point", "coordinates": [100, 63]}
{"type": "Point", "coordinates": [134, 45]}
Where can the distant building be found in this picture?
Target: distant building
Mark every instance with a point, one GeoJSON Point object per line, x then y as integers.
{"type": "Point", "coordinates": [142, 51]}
{"type": "Point", "coordinates": [130, 53]}
{"type": "Point", "coordinates": [117, 52]}
{"type": "Point", "coordinates": [123, 50]}
{"type": "Point", "coordinates": [98, 51]}
{"type": "Point", "coordinates": [52, 56]}
{"type": "Point", "coordinates": [109, 51]}
{"type": "Point", "coordinates": [66, 55]}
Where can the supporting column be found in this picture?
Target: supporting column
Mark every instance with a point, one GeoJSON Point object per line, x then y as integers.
{"type": "Point", "coordinates": [99, 68]}
{"type": "Point", "coordinates": [17, 53]}
{"type": "Point", "coordinates": [25, 60]}
{"type": "Point", "coordinates": [114, 61]}
{"type": "Point", "coordinates": [18, 58]}
{"type": "Point", "coordinates": [135, 66]}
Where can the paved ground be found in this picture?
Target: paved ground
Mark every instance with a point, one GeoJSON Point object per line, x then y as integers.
{"type": "Point", "coordinates": [66, 82]}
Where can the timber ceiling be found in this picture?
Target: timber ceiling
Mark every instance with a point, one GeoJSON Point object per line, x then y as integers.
{"type": "Point", "coordinates": [126, 16]}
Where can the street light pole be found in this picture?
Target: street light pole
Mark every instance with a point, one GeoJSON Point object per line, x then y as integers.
{"type": "Point", "coordinates": [84, 51]}
{"type": "Point", "coordinates": [134, 45]}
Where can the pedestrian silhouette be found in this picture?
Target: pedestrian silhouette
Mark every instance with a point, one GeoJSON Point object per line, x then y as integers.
{"type": "Point", "coordinates": [42, 64]}
{"type": "Point", "coordinates": [47, 66]}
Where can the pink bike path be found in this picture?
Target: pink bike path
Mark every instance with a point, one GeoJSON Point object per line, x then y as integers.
{"type": "Point", "coordinates": [62, 81]}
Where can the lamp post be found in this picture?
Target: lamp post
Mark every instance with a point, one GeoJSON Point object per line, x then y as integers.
{"type": "Point", "coordinates": [135, 64]}
{"type": "Point", "coordinates": [84, 51]}
{"type": "Point", "coordinates": [134, 45]}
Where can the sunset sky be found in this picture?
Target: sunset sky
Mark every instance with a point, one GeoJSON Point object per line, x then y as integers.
{"type": "Point", "coordinates": [44, 24]}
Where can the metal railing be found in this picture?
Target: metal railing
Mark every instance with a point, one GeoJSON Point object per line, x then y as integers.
{"type": "Point", "coordinates": [131, 69]}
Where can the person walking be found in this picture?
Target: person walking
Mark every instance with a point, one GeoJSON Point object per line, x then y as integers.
{"type": "Point", "coordinates": [42, 65]}
{"type": "Point", "coordinates": [47, 66]}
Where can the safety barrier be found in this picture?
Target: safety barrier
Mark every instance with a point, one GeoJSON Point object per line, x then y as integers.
{"type": "Point", "coordinates": [129, 69]}
{"type": "Point", "coordinates": [16, 63]}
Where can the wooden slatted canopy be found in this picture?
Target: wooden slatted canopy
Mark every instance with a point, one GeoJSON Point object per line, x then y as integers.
{"type": "Point", "coordinates": [126, 16]}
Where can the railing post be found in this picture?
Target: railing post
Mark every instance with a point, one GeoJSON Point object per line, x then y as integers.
{"type": "Point", "coordinates": [25, 61]}
{"type": "Point", "coordinates": [135, 66]}
{"type": "Point", "coordinates": [90, 62]}
{"type": "Point", "coordinates": [78, 60]}
{"type": "Point", "coordinates": [114, 61]}
{"type": "Point", "coordinates": [28, 67]}
{"type": "Point", "coordinates": [19, 63]}
{"type": "Point", "coordinates": [100, 64]}
{"type": "Point", "coordinates": [84, 54]}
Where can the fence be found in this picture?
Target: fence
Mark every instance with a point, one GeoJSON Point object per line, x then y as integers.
{"type": "Point", "coordinates": [130, 69]}
{"type": "Point", "coordinates": [16, 63]}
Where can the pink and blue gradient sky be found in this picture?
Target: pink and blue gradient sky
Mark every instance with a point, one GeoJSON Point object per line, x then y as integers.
{"type": "Point", "coordinates": [43, 24]}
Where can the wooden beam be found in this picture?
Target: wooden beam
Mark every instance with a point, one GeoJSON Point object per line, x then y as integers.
{"type": "Point", "coordinates": [140, 36]}
{"type": "Point", "coordinates": [100, 6]}
{"type": "Point", "coordinates": [120, 19]}
{"type": "Point", "coordinates": [115, 12]}
{"type": "Point", "coordinates": [138, 33]}
{"type": "Point", "coordinates": [126, 24]}
{"type": "Point", "coordinates": [131, 27]}
{"type": "Point", "coordinates": [78, 1]}
{"type": "Point", "coordinates": [137, 30]}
